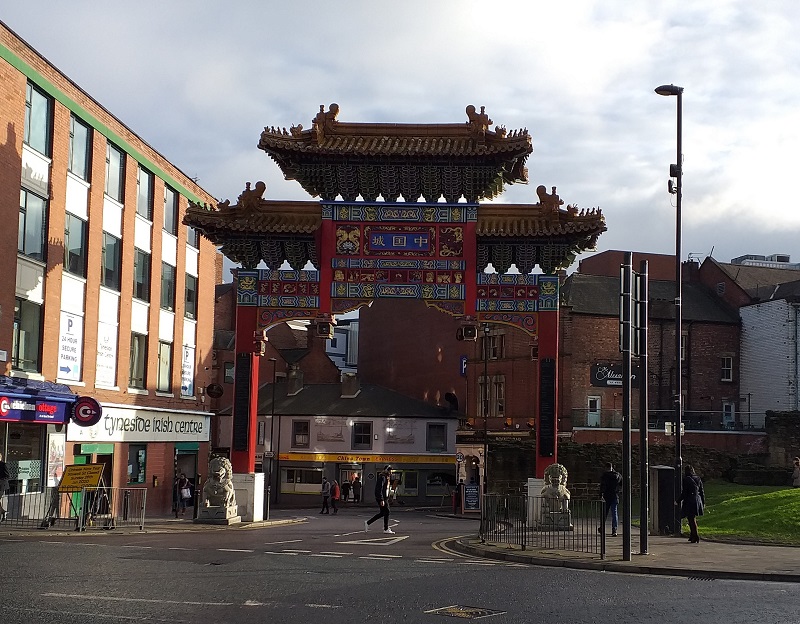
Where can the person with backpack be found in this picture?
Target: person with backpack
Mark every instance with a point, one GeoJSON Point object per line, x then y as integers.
{"type": "Point", "coordinates": [382, 498]}
{"type": "Point", "coordinates": [610, 483]}
{"type": "Point", "coordinates": [346, 490]}
{"type": "Point", "coordinates": [336, 493]}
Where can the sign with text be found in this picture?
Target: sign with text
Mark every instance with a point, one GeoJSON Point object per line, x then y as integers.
{"type": "Point", "coordinates": [471, 500]}
{"type": "Point", "coordinates": [142, 425]}
{"type": "Point", "coordinates": [31, 409]}
{"type": "Point", "coordinates": [106, 373]}
{"type": "Point", "coordinates": [77, 476]}
{"type": "Point", "coordinates": [610, 376]}
{"type": "Point", "coordinates": [187, 372]}
{"type": "Point", "coordinates": [70, 347]}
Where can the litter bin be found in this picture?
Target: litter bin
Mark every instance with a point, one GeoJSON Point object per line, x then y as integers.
{"type": "Point", "coordinates": [662, 500]}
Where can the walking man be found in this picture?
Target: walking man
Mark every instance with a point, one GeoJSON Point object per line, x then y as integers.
{"type": "Point", "coordinates": [382, 498]}
{"type": "Point", "coordinates": [610, 483]}
{"type": "Point", "coordinates": [326, 494]}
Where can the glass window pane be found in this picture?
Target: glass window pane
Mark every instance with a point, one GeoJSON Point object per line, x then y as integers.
{"type": "Point", "coordinates": [192, 237]}
{"type": "Point", "coordinates": [115, 170]}
{"type": "Point", "coordinates": [137, 462]}
{"type": "Point", "coordinates": [138, 365]}
{"type": "Point", "coordinates": [170, 211]}
{"type": "Point", "coordinates": [37, 120]}
{"type": "Point", "coordinates": [27, 336]}
{"type": "Point", "coordinates": [79, 149]}
{"type": "Point", "coordinates": [144, 201]}
{"type": "Point", "coordinates": [167, 286]}
{"type": "Point", "coordinates": [191, 297]}
{"type": "Point", "coordinates": [164, 383]}
{"type": "Point", "coordinates": [141, 275]}
{"type": "Point", "coordinates": [112, 255]}
{"type": "Point", "coordinates": [75, 245]}
{"type": "Point", "coordinates": [30, 233]}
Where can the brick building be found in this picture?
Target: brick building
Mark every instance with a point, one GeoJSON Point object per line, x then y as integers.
{"type": "Point", "coordinates": [111, 295]}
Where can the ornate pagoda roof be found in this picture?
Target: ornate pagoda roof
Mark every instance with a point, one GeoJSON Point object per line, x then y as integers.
{"type": "Point", "coordinates": [332, 158]}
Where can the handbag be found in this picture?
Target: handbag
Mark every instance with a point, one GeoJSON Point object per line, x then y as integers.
{"type": "Point", "coordinates": [186, 492]}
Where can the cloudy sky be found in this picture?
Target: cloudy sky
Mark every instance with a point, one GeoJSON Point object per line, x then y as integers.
{"type": "Point", "coordinates": [199, 81]}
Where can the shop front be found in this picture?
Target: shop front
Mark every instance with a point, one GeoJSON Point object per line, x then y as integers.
{"type": "Point", "coordinates": [32, 439]}
{"type": "Point", "coordinates": [145, 447]}
{"type": "Point", "coordinates": [416, 479]}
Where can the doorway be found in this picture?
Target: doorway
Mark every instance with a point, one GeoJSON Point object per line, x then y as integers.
{"type": "Point", "coordinates": [593, 411]}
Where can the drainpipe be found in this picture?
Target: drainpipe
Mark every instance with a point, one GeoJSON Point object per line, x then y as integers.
{"type": "Point", "coordinates": [796, 360]}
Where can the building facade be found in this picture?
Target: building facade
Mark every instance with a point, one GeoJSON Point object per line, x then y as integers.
{"type": "Point", "coordinates": [112, 296]}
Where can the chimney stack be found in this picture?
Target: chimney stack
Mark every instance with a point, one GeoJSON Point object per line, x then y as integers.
{"type": "Point", "coordinates": [351, 385]}
{"type": "Point", "coordinates": [294, 380]}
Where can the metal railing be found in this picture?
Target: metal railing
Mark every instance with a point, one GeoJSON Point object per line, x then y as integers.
{"type": "Point", "coordinates": [77, 508]}
{"type": "Point", "coordinates": [518, 520]}
{"type": "Point", "coordinates": [693, 420]}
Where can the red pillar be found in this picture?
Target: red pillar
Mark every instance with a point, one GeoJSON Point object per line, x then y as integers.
{"type": "Point", "coordinates": [547, 403]}
{"type": "Point", "coordinates": [245, 392]}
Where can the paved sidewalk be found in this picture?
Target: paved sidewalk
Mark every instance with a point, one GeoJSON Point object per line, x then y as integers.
{"type": "Point", "coordinates": [666, 556]}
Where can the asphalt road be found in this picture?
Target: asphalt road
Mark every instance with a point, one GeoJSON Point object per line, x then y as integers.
{"type": "Point", "coordinates": [328, 570]}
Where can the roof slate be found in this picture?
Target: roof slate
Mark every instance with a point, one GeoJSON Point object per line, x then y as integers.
{"type": "Point", "coordinates": [599, 295]}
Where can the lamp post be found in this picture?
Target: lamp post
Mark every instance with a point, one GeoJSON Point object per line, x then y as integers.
{"type": "Point", "coordinates": [676, 171]}
{"type": "Point", "coordinates": [485, 405]}
{"type": "Point", "coordinates": [271, 432]}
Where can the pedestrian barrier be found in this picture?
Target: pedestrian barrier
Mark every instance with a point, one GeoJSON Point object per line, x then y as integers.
{"type": "Point", "coordinates": [76, 508]}
{"type": "Point", "coordinates": [522, 521]}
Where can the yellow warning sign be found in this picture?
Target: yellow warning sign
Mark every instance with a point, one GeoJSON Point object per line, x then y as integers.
{"type": "Point", "coordinates": [77, 476]}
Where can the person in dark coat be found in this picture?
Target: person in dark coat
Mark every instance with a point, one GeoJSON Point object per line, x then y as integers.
{"type": "Point", "coordinates": [382, 496]}
{"type": "Point", "coordinates": [692, 501]}
{"type": "Point", "coordinates": [610, 483]}
{"type": "Point", "coordinates": [357, 490]}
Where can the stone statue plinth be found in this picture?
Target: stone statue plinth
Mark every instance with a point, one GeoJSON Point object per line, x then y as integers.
{"type": "Point", "coordinates": [555, 512]}
{"type": "Point", "coordinates": [218, 514]}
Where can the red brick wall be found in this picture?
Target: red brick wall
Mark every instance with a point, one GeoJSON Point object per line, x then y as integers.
{"type": "Point", "coordinates": [660, 266]}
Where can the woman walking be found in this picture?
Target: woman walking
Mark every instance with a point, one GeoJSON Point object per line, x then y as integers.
{"type": "Point", "coordinates": [692, 501]}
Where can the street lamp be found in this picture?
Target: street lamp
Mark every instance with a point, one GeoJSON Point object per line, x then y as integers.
{"type": "Point", "coordinates": [485, 397]}
{"type": "Point", "coordinates": [676, 171]}
{"type": "Point", "coordinates": [271, 431]}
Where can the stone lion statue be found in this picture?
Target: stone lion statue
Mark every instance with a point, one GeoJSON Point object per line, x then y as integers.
{"type": "Point", "coordinates": [218, 490]}
{"type": "Point", "coordinates": [555, 487]}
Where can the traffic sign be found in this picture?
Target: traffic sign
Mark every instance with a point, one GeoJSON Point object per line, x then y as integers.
{"type": "Point", "coordinates": [459, 457]}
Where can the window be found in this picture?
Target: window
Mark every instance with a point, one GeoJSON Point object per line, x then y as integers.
{"type": "Point", "coordinates": [484, 408]}
{"type": "Point", "coordinates": [38, 111]}
{"type": "Point", "coordinates": [170, 211]}
{"type": "Point", "coordinates": [112, 259]}
{"type": "Point", "coordinates": [362, 435]}
{"type": "Point", "coordinates": [300, 433]}
{"type": "Point", "coordinates": [75, 245]}
{"type": "Point", "coordinates": [192, 237]}
{"type": "Point", "coordinates": [683, 347]}
{"type": "Point", "coordinates": [27, 336]}
{"type": "Point", "coordinates": [144, 199]}
{"type": "Point", "coordinates": [495, 345]}
{"type": "Point", "coordinates": [167, 286]}
{"type": "Point", "coordinates": [32, 226]}
{"type": "Point", "coordinates": [164, 381]}
{"type": "Point", "coordinates": [137, 460]}
{"type": "Point", "coordinates": [79, 147]}
{"type": "Point", "coordinates": [138, 368]}
{"type": "Point", "coordinates": [228, 372]}
{"type": "Point", "coordinates": [727, 368]}
{"type": "Point", "coordinates": [141, 275]}
{"type": "Point", "coordinates": [190, 307]}
{"type": "Point", "coordinates": [500, 396]}
{"type": "Point", "coordinates": [437, 437]}
{"type": "Point", "coordinates": [728, 415]}
{"type": "Point", "coordinates": [115, 173]}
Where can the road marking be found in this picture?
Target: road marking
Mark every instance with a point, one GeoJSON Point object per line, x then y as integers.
{"type": "Point", "coordinates": [326, 555]}
{"type": "Point", "coordinates": [429, 561]}
{"type": "Point", "coordinates": [274, 552]}
{"type": "Point", "coordinates": [148, 600]}
{"type": "Point", "coordinates": [11, 540]}
{"type": "Point", "coordinates": [479, 563]}
{"type": "Point", "coordinates": [378, 541]}
{"type": "Point", "coordinates": [295, 550]}
{"type": "Point", "coordinates": [127, 546]}
{"type": "Point", "coordinates": [441, 546]}
{"type": "Point", "coordinates": [377, 558]}
{"type": "Point", "coordinates": [323, 606]}
{"type": "Point", "coordinates": [387, 556]}
{"type": "Point", "coordinates": [283, 542]}
{"type": "Point", "coordinates": [235, 550]}
{"type": "Point", "coordinates": [180, 548]}
{"type": "Point", "coordinates": [46, 542]}
{"type": "Point", "coordinates": [334, 552]}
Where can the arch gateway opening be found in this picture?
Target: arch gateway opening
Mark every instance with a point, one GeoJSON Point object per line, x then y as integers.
{"type": "Point", "coordinates": [400, 213]}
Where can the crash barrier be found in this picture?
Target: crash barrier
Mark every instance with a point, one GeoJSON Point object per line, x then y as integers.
{"type": "Point", "coordinates": [76, 508]}
{"type": "Point", "coordinates": [522, 521]}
